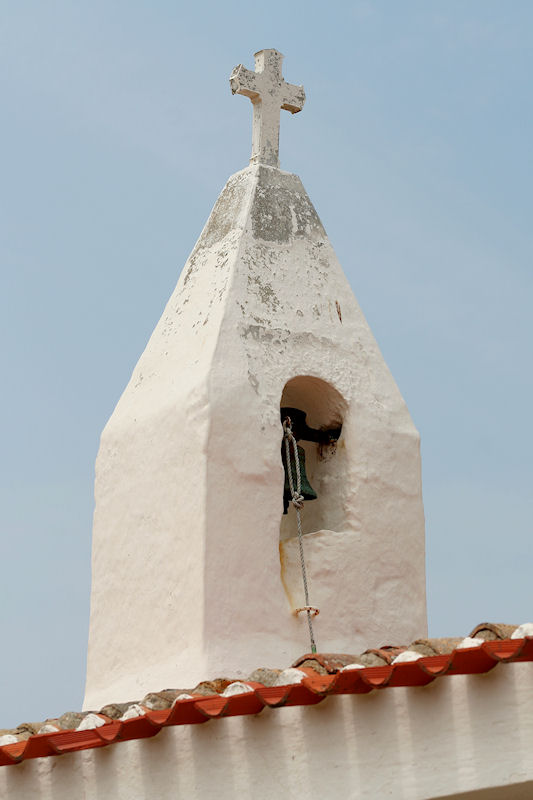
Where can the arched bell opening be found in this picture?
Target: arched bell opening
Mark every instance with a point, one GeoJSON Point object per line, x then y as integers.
{"type": "Point", "coordinates": [316, 410]}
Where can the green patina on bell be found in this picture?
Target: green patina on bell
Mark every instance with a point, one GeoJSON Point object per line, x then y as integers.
{"type": "Point", "coordinates": [306, 490]}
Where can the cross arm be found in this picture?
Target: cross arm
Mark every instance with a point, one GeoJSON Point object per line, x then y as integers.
{"type": "Point", "coordinates": [244, 81]}
{"type": "Point", "coordinates": [293, 98]}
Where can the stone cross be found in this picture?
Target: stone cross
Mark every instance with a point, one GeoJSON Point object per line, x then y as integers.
{"type": "Point", "coordinates": [268, 92]}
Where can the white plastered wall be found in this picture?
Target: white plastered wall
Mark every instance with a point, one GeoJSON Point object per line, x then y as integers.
{"type": "Point", "coordinates": [458, 735]}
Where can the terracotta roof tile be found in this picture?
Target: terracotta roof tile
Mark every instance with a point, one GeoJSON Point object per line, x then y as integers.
{"type": "Point", "coordinates": [156, 701]}
{"type": "Point", "coordinates": [492, 630]}
{"type": "Point", "coordinates": [434, 647]}
{"type": "Point", "coordinates": [115, 710]}
{"type": "Point", "coordinates": [325, 663]}
{"type": "Point", "coordinates": [23, 731]}
{"type": "Point", "coordinates": [267, 677]}
{"type": "Point", "coordinates": [210, 687]}
{"type": "Point", "coordinates": [380, 656]}
{"type": "Point", "coordinates": [69, 720]}
{"type": "Point", "coordinates": [309, 681]}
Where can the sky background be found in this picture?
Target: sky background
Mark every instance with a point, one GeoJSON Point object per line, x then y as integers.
{"type": "Point", "coordinates": [118, 130]}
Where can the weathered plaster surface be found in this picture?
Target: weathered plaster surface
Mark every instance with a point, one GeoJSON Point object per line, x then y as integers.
{"type": "Point", "coordinates": [187, 580]}
{"type": "Point", "coordinates": [445, 740]}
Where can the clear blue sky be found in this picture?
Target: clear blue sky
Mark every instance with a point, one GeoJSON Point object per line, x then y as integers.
{"type": "Point", "coordinates": [117, 132]}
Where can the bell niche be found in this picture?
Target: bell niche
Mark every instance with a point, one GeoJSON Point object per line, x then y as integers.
{"type": "Point", "coordinates": [316, 410]}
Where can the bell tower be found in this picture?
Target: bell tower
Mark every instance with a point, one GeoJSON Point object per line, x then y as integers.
{"type": "Point", "coordinates": [196, 570]}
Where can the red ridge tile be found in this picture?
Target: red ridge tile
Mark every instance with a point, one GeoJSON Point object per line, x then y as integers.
{"type": "Point", "coordinates": [6, 758]}
{"type": "Point", "coordinates": [110, 732]}
{"type": "Point", "coordinates": [319, 684]}
{"type": "Point", "coordinates": [185, 712]}
{"type": "Point", "coordinates": [505, 649]}
{"type": "Point", "coordinates": [138, 728]}
{"type": "Point", "coordinates": [243, 704]}
{"type": "Point", "coordinates": [526, 653]}
{"type": "Point", "coordinates": [436, 665]}
{"type": "Point", "coordinates": [313, 689]}
{"type": "Point", "coordinates": [212, 706]}
{"type": "Point", "coordinates": [377, 677]}
{"type": "Point", "coordinates": [159, 717]}
{"type": "Point", "coordinates": [349, 681]}
{"type": "Point", "coordinates": [12, 752]}
{"type": "Point", "coordinates": [65, 741]}
{"type": "Point", "coordinates": [409, 673]}
{"type": "Point", "coordinates": [38, 746]}
{"type": "Point", "coordinates": [471, 661]}
{"type": "Point", "coordinates": [294, 695]}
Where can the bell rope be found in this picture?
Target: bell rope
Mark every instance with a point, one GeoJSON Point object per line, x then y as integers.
{"type": "Point", "coordinates": [298, 502]}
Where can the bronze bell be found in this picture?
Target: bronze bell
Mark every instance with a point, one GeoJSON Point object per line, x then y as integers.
{"type": "Point", "coordinates": [306, 490]}
{"type": "Point", "coordinates": [297, 422]}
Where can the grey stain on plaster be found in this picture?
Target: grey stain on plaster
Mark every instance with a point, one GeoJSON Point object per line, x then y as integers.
{"type": "Point", "coordinates": [225, 215]}
{"type": "Point", "coordinates": [264, 292]}
{"type": "Point", "coordinates": [259, 334]}
{"type": "Point", "coordinates": [279, 212]}
{"type": "Point", "coordinates": [190, 271]}
{"type": "Point", "coordinates": [254, 383]}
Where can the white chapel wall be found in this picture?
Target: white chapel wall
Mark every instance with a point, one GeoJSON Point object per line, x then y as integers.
{"type": "Point", "coordinates": [457, 735]}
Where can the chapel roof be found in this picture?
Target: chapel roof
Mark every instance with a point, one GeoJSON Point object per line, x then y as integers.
{"type": "Point", "coordinates": [310, 679]}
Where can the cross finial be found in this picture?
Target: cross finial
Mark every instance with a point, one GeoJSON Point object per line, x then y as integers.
{"type": "Point", "coordinates": [268, 92]}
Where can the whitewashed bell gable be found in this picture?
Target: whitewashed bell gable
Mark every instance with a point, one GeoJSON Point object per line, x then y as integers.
{"type": "Point", "coordinates": [195, 570]}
